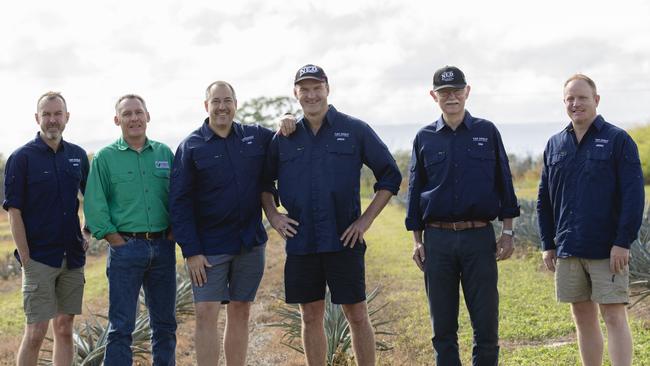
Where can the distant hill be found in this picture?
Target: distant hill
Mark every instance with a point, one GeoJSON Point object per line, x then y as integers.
{"type": "Point", "coordinates": [518, 138]}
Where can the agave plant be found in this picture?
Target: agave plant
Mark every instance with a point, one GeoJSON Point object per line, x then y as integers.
{"type": "Point", "coordinates": [640, 265]}
{"type": "Point", "coordinates": [337, 329]}
{"type": "Point", "coordinates": [91, 337]}
{"type": "Point", "coordinates": [9, 267]}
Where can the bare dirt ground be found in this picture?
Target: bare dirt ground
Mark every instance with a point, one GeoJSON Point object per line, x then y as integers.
{"type": "Point", "coordinates": [264, 343]}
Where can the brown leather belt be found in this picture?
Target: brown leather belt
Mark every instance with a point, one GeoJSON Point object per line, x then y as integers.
{"type": "Point", "coordinates": [458, 225]}
{"type": "Point", "coordinates": [144, 236]}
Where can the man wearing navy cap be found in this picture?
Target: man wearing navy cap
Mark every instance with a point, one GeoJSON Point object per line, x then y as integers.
{"type": "Point", "coordinates": [318, 173]}
{"type": "Point", "coordinates": [590, 207]}
{"type": "Point", "coordinates": [459, 182]}
{"type": "Point", "coordinates": [42, 180]}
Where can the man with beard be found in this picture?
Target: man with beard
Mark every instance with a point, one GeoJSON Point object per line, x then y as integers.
{"type": "Point", "coordinates": [126, 204]}
{"type": "Point", "coordinates": [42, 180]}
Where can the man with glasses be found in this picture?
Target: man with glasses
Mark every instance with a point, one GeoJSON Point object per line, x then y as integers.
{"type": "Point", "coordinates": [459, 182]}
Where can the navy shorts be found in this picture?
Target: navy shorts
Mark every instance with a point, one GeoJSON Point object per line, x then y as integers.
{"type": "Point", "coordinates": [305, 276]}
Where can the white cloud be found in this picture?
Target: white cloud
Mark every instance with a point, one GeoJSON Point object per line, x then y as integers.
{"type": "Point", "coordinates": [380, 56]}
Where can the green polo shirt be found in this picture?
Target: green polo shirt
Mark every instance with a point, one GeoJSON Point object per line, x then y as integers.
{"type": "Point", "coordinates": [127, 190]}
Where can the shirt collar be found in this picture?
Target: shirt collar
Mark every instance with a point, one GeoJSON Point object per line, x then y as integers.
{"type": "Point", "coordinates": [40, 144]}
{"type": "Point", "coordinates": [468, 121]}
{"type": "Point", "coordinates": [598, 123]}
{"type": "Point", "coordinates": [330, 116]}
{"type": "Point", "coordinates": [123, 145]}
{"type": "Point", "coordinates": [207, 133]}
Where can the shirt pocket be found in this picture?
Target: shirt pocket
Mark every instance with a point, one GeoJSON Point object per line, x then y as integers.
{"type": "Point", "coordinates": [483, 162]}
{"type": "Point", "coordinates": [341, 157]}
{"type": "Point", "coordinates": [557, 159]}
{"type": "Point", "coordinates": [123, 187]}
{"type": "Point", "coordinates": [253, 155]}
{"type": "Point", "coordinates": [213, 170]}
{"type": "Point", "coordinates": [74, 174]}
{"type": "Point", "coordinates": [40, 178]}
{"type": "Point", "coordinates": [600, 165]}
{"type": "Point", "coordinates": [433, 165]}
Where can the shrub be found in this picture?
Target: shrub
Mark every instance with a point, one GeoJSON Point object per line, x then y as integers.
{"type": "Point", "coordinates": [337, 329]}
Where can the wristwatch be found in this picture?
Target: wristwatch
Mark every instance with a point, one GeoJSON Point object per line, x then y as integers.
{"type": "Point", "coordinates": [508, 232]}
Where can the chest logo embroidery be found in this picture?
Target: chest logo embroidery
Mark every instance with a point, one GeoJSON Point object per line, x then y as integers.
{"type": "Point", "coordinates": [480, 141]}
{"type": "Point", "coordinates": [341, 136]}
{"type": "Point", "coordinates": [75, 161]}
{"type": "Point", "coordinates": [162, 164]}
{"type": "Point", "coordinates": [601, 142]}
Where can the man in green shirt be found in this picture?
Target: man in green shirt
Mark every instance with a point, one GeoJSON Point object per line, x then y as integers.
{"type": "Point", "coordinates": [126, 204]}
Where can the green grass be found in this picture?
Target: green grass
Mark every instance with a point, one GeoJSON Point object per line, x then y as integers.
{"type": "Point", "coordinates": [534, 328]}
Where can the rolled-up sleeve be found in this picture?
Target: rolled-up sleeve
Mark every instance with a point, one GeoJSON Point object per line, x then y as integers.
{"type": "Point", "coordinates": [96, 210]}
{"type": "Point", "coordinates": [509, 206]}
{"type": "Point", "coordinates": [15, 182]}
{"type": "Point", "coordinates": [270, 170]}
{"type": "Point", "coordinates": [414, 220]}
{"type": "Point", "coordinates": [181, 202]}
{"type": "Point", "coordinates": [377, 157]}
{"type": "Point", "coordinates": [631, 192]}
{"type": "Point", "coordinates": [545, 220]}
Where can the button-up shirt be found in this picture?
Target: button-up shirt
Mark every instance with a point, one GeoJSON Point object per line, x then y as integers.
{"type": "Point", "coordinates": [128, 190]}
{"type": "Point", "coordinates": [43, 184]}
{"type": "Point", "coordinates": [591, 193]}
{"type": "Point", "coordinates": [216, 184]}
{"type": "Point", "coordinates": [318, 177]}
{"type": "Point", "coordinates": [459, 175]}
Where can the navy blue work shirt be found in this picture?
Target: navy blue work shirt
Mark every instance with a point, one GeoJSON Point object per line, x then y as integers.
{"type": "Point", "coordinates": [215, 190]}
{"type": "Point", "coordinates": [43, 184]}
{"type": "Point", "coordinates": [459, 175]}
{"type": "Point", "coordinates": [318, 177]}
{"type": "Point", "coordinates": [591, 193]}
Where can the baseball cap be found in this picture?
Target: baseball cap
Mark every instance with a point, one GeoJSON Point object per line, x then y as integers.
{"type": "Point", "coordinates": [310, 71]}
{"type": "Point", "coordinates": [448, 77]}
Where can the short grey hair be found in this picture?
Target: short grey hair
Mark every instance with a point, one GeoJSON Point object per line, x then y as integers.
{"type": "Point", "coordinates": [51, 95]}
{"type": "Point", "coordinates": [129, 96]}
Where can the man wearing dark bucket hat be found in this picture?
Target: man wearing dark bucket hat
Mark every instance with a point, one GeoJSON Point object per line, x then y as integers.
{"type": "Point", "coordinates": [318, 173]}
{"type": "Point", "coordinates": [460, 181]}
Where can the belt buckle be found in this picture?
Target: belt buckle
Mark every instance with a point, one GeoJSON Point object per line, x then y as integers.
{"type": "Point", "coordinates": [147, 236]}
{"type": "Point", "coordinates": [453, 226]}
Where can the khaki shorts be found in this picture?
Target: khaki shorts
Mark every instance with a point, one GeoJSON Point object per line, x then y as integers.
{"type": "Point", "coordinates": [579, 279]}
{"type": "Point", "coordinates": [48, 291]}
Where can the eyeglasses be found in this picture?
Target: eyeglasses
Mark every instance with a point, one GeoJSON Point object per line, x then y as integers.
{"type": "Point", "coordinates": [446, 93]}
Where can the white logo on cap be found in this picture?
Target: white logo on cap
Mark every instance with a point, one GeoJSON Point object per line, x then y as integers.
{"type": "Point", "coordinates": [447, 76]}
{"type": "Point", "coordinates": [308, 69]}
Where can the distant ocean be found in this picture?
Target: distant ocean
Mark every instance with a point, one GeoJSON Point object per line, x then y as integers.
{"type": "Point", "coordinates": [518, 138]}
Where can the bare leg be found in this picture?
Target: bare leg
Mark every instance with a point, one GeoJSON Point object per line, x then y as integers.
{"type": "Point", "coordinates": [206, 334]}
{"type": "Point", "coordinates": [31, 343]}
{"type": "Point", "coordinates": [590, 338]}
{"type": "Point", "coordinates": [235, 341]}
{"type": "Point", "coordinates": [63, 348]}
{"type": "Point", "coordinates": [619, 337]}
{"type": "Point", "coordinates": [313, 332]}
{"type": "Point", "coordinates": [363, 336]}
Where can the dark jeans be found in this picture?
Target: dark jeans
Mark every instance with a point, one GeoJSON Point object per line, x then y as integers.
{"type": "Point", "coordinates": [466, 257]}
{"type": "Point", "coordinates": [150, 264]}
